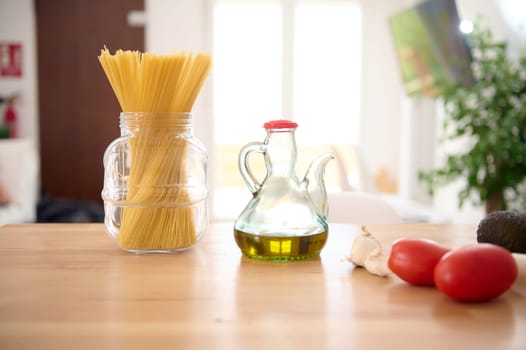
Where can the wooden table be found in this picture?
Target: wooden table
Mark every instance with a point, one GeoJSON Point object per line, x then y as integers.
{"type": "Point", "coordinates": [68, 286]}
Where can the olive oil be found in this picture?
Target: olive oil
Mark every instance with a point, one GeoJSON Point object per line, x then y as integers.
{"type": "Point", "coordinates": [280, 248]}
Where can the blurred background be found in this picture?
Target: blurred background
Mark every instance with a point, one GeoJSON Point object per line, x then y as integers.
{"type": "Point", "coordinates": [331, 66]}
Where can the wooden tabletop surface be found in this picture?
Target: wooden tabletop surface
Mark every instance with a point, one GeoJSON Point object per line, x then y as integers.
{"type": "Point", "coordinates": [68, 286]}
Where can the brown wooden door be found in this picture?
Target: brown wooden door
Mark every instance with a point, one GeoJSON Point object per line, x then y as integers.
{"type": "Point", "coordinates": [78, 110]}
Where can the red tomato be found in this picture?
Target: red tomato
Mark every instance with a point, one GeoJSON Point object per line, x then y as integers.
{"type": "Point", "coordinates": [477, 272]}
{"type": "Point", "coordinates": [414, 260]}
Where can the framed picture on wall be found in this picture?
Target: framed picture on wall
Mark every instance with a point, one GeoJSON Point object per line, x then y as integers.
{"type": "Point", "coordinates": [431, 50]}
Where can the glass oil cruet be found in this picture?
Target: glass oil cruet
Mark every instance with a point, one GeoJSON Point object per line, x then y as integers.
{"type": "Point", "coordinates": [286, 219]}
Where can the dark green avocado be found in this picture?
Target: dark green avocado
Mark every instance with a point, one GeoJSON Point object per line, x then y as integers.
{"type": "Point", "coordinates": [504, 228]}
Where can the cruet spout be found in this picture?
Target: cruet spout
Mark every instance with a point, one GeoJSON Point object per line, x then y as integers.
{"type": "Point", "coordinates": [315, 183]}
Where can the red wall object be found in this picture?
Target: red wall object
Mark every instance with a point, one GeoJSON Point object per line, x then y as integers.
{"type": "Point", "coordinates": [10, 59]}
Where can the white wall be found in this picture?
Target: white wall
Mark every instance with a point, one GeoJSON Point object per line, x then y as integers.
{"type": "Point", "coordinates": [503, 16]}
{"type": "Point", "coordinates": [17, 24]}
{"type": "Point", "coordinates": [382, 93]}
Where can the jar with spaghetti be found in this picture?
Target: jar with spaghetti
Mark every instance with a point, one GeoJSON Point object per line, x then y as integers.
{"type": "Point", "coordinates": [155, 194]}
{"type": "Point", "coordinates": [155, 187]}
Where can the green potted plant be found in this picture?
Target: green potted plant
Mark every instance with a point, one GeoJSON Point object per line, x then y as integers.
{"type": "Point", "coordinates": [490, 118]}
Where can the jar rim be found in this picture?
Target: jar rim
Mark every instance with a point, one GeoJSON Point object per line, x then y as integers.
{"type": "Point", "coordinates": [166, 114]}
{"type": "Point", "coordinates": [155, 119]}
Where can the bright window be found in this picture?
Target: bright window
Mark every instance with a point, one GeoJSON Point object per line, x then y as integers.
{"type": "Point", "coordinates": [327, 72]}
{"type": "Point", "coordinates": [286, 59]}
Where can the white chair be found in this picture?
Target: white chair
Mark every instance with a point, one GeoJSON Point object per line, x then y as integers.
{"type": "Point", "coordinates": [360, 208]}
{"type": "Point", "coordinates": [19, 177]}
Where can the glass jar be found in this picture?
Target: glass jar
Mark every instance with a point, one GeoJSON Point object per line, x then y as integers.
{"type": "Point", "coordinates": [155, 183]}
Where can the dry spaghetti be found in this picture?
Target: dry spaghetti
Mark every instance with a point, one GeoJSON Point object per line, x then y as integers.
{"type": "Point", "coordinates": [163, 88]}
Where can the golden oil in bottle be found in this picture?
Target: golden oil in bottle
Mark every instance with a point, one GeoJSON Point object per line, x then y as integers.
{"type": "Point", "coordinates": [280, 248]}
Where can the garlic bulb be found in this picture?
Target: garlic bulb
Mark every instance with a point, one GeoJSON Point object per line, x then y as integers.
{"type": "Point", "coordinates": [367, 252]}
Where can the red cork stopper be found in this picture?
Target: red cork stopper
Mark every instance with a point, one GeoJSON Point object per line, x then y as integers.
{"type": "Point", "coordinates": [280, 124]}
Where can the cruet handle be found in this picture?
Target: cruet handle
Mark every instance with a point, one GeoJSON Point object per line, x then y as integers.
{"type": "Point", "coordinates": [253, 184]}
